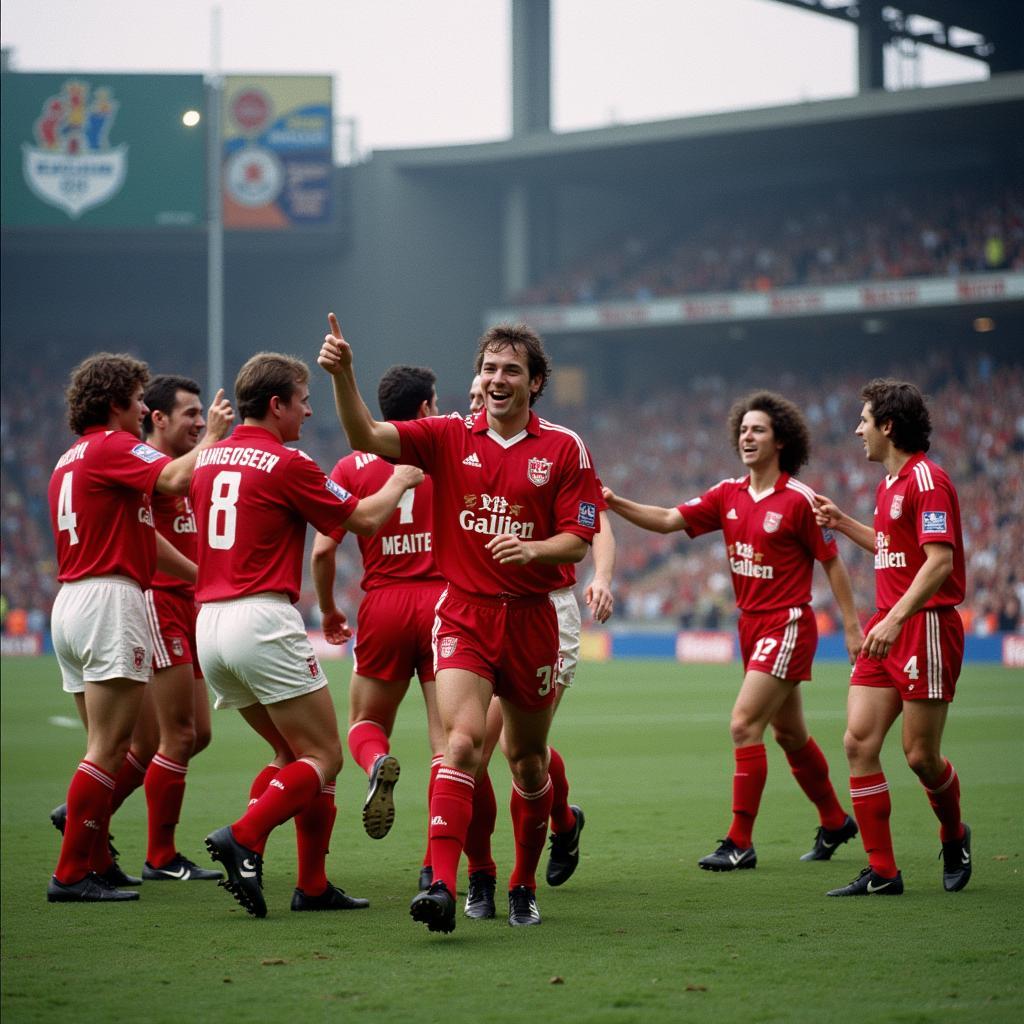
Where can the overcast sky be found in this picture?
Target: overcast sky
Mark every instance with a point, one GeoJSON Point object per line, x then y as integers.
{"type": "Point", "coordinates": [427, 72]}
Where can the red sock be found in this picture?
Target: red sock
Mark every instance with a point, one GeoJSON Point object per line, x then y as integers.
{"type": "Point", "coordinates": [257, 789]}
{"type": "Point", "coordinates": [128, 779]}
{"type": "Point", "coordinates": [367, 741]}
{"type": "Point", "coordinates": [872, 807]}
{"type": "Point", "coordinates": [88, 804]}
{"type": "Point", "coordinates": [747, 787]}
{"type": "Point", "coordinates": [451, 808]}
{"type": "Point", "coordinates": [810, 769]}
{"type": "Point", "coordinates": [290, 791]}
{"type": "Point", "coordinates": [530, 813]}
{"type": "Point", "coordinates": [562, 819]}
{"type": "Point", "coordinates": [944, 796]}
{"type": "Point", "coordinates": [435, 763]}
{"type": "Point", "coordinates": [165, 790]}
{"type": "Point", "coordinates": [313, 827]}
{"type": "Point", "coordinates": [481, 826]}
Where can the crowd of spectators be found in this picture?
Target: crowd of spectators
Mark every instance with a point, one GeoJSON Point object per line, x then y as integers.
{"type": "Point", "coordinates": [677, 448]}
{"type": "Point", "coordinates": [842, 237]}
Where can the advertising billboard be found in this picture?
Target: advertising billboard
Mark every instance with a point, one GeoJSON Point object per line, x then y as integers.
{"type": "Point", "coordinates": [102, 151]}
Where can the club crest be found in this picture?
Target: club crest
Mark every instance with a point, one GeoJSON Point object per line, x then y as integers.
{"type": "Point", "coordinates": [772, 521]}
{"type": "Point", "coordinates": [448, 645]}
{"type": "Point", "coordinates": [138, 657]}
{"type": "Point", "coordinates": [314, 666]}
{"type": "Point", "coordinates": [538, 471]}
{"type": "Point", "coordinates": [177, 647]}
{"type": "Point", "coordinates": [896, 508]}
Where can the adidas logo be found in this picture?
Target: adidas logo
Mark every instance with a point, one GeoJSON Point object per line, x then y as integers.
{"type": "Point", "coordinates": [472, 460]}
{"type": "Point", "coordinates": [731, 514]}
{"type": "Point", "coordinates": [276, 784]}
{"type": "Point", "coordinates": [437, 819]}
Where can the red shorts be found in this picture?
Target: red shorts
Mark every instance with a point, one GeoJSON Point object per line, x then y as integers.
{"type": "Point", "coordinates": [393, 632]}
{"type": "Point", "coordinates": [925, 661]}
{"type": "Point", "coordinates": [172, 622]}
{"type": "Point", "coordinates": [511, 642]}
{"type": "Point", "coordinates": [781, 643]}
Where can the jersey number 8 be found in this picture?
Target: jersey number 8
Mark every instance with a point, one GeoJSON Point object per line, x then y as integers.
{"type": "Point", "coordinates": [220, 530]}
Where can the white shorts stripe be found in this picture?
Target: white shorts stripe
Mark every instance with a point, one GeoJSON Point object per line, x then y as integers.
{"type": "Point", "coordinates": [934, 654]}
{"type": "Point", "coordinates": [788, 644]}
{"type": "Point", "coordinates": [161, 659]}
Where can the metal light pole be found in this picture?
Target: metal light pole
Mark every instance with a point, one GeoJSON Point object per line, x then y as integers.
{"type": "Point", "coordinates": [214, 218]}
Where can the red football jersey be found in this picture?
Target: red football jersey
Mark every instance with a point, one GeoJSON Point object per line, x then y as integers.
{"type": "Point", "coordinates": [99, 498]}
{"type": "Point", "coordinates": [772, 542]}
{"type": "Point", "coordinates": [569, 569]}
{"type": "Point", "coordinates": [535, 485]}
{"type": "Point", "coordinates": [176, 523]}
{"type": "Point", "coordinates": [252, 498]}
{"type": "Point", "coordinates": [917, 507]}
{"type": "Point", "coordinates": [402, 549]}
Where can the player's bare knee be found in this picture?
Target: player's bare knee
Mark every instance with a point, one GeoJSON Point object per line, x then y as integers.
{"type": "Point", "coordinates": [925, 763]}
{"type": "Point", "coordinates": [463, 751]}
{"type": "Point", "coordinates": [201, 740]}
{"type": "Point", "coordinates": [789, 739]}
{"type": "Point", "coordinates": [744, 731]}
{"type": "Point", "coordinates": [529, 770]}
{"type": "Point", "coordinates": [180, 743]}
{"type": "Point", "coordinates": [859, 749]}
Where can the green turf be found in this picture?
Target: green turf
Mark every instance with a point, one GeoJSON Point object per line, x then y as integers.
{"type": "Point", "coordinates": [639, 934]}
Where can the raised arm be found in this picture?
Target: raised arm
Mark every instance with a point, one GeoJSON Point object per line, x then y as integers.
{"type": "Point", "coordinates": [372, 512]}
{"type": "Point", "coordinates": [842, 591]}
{"type": "Point", "coordinates": [598, 594]}
{"type": "Point", "coordinates": [832, 517]}
{"type": "Point", "coordinates": [364, 433]}
{"type": "Point", "coordinates": [322, 565]}
{"type": "Point", "coordinates": [175, 476]}
{"type": "Point", "coordinates": [647, 517]}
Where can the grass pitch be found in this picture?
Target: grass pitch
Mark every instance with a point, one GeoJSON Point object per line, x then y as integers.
{"type": "Point", "coordinates": [638, 935]}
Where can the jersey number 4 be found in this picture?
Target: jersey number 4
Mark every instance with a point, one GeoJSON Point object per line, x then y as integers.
{"type": "Point", "coordinates": [67, 518]}
{"type": "Point", "coordinates": [220, 529]}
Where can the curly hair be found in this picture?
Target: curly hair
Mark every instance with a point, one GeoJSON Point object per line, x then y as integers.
{"type": "Point", "coordinates": [264, 376]}
{"type": "Point", "coordinates": [788, 426]}
{"type": "Point", "coordinates": [100, 382]}
{"type": "Point", "coordinates": [521, 339]}
{"type": "Point", "coordinates": [403, 389]}
{"type": "Point", "coordinates": [900, 403]}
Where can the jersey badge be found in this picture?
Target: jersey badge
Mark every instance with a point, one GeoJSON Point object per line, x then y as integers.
{"type": "Point", "coordinates": [177, 647]}
{"type": "Point", "coordinates": [772, 521]}
{"type": "Point", "coordinates": [933, 522]}
{"type": "Point", "coordinates": [447, 647]}
{"type": "Point", "coordinates": [314, 666]}
{"type": "Point", "coordinates": [146, 452]}
{"type": "Point", "coordinates": [731, 514]}
{"type": "Point", "coordinates": [588, 514]}
{"type": "Point", "coordinates": [339, 492]}
{"type": "Point", "coordinates": [538, 471]}
{"type": "Point", "coordinates": [472, 459]}
{"type": "Point", "coordinates": [138, 657]}
{"type": "Point", "coordinates": [896, 508]}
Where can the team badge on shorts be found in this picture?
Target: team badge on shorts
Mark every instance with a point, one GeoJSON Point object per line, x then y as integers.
{"type": "Point", "coordinates": [177, 647]}
{"type": "Point", "coordinates": [138, 657]}
{"type": "Point", "coordinates": [314, 666]}
{"type": "Point", "coordinates": [447, 646]}
{"type": "Point", "coordinates": [772, 521]}
{"type": "Point", "coordinates": [896, 508]}
{"type": "Point", "coordinates": [538, 471]}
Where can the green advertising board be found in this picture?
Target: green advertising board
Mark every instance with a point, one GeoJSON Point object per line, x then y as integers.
{"type": "Point", "coordinates": [102, 151]}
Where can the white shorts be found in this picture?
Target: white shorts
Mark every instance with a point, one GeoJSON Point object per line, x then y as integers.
{"type": "Point", "coordinates": [569, 625]}
{"type": "Point", "coordinates": [100, 632]}
{"type": "Point", "coordinates": [254, 650]}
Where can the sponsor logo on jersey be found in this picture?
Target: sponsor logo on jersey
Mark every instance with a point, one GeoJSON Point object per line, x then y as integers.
{"type": "Point", "coordinates": [745, 561]}
{"type": "Point", "coordinates": [72, 165]}
{"type": "Point", "coordinates": [538, 471]}
{"type": "Point", "coordinates": [338, 491]}
{"type": "Point", "coordinates": [472, 459]}
{"type": "Point", "coordinates": [772, 521]}
{"type": "Point", "coordinates": [177, 647]}
{"type": "Point", "coordinates": [138, 657]}
{"type": "Point", "coordinates": [185, 524]}
{"type": "Point", "coordinates": [501, 516]}
{"type": "Point", "coordinates": [588, 514]}
{"type": "Point", "coordinates": [146, 453]}
{"type": "Point", "coordinates": [146, 515]}
{"type": "Point", "coordinates": [886, 559]}
{"type": "Point", "coordinates": [314, 666]}
{"type": "Point", "coordinates": [896, 508]}
{"type": "Point", "coordinates": [933, 522]}
{"type": "Point", "coordinates": [447, 646]}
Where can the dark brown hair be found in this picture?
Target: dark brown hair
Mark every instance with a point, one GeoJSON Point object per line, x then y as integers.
{"type": "Point", "coordinates": [162, 396]}
{"type": "Point", "coordinates": [100, 382]}
{"type": "Point", "coordinates": [788, 426]}
{"type": "Point", "coordinates": [403, 389]}
{"type": "Point", "coordinates": [900, 403]}
{"type": "Point", "coordinates": [523, 340]}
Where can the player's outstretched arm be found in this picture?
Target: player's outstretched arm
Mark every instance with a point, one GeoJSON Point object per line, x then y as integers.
{"type": "Point", "coordinates": [175, 476]}
{"type": "Point", "coordinates": [647, 517]}
{"type": "Point", "coordinates": [832, 517]}
{"type": "Point", "coordinates": [372, 511]}
{"type": "Point", "coordinates": [598, 594]}
{"type": "Point", "coordinates": [322, 565]}
{"type": "Point", "coordinates": [170, 560]}
{"type": "Point", "coordinates": [842, 590]}
{"type": "Point", "coordinates": [364, 433]}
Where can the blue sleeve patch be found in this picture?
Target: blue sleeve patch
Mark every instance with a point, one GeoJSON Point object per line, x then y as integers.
{"type": "Point", "coordinates": [339, 492]}
{"type": "Point", "coordinates": [588, 514]}
{"type": "Point", "coordinates": [146, 453]}
{"type": "Point", "coordinates": [933, 522]}
{"type": "Point", "coordinates": [828, 535]}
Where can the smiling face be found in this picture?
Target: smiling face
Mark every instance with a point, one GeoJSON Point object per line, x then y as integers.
{"type": "Point", "coordinates": [876, 439]}
{"type": "Point", "coordinates": [180, 431]}
{"type": "Point", "coordinates": [756, 442]}
{"type": "Point", "coordinates": [507, 387]}
{"type": "Point", "coordinates": [292, 414]}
